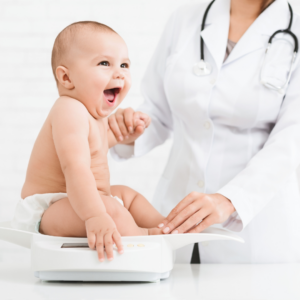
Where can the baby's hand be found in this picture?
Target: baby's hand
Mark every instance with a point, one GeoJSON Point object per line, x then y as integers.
{"type": "Point", "coordinates": [102, 231]}
{"type": "Point", "coordinates": [127, 125]}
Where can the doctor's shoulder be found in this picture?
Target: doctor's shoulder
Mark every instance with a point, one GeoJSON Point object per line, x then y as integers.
{"type": "Point", "coordinates": [296, 25]}
{"type": "Point", "coordinates": [182, 21]}
{"type": "Point", "coordinates": [189, 14]}
{"type": "Point", "coordinates": [296, 30]}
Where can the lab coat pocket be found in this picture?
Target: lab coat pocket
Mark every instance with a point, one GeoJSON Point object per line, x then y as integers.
{"type": "Point", "coordinates": [269, 106]}
{"type": "Point", "coordinates": [254, 105]}
{"type": "Point", "coordinates": [278, 61]}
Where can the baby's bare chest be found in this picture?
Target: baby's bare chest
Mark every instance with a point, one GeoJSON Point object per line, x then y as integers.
{"type": "Point", "coordinates": [98, 144]}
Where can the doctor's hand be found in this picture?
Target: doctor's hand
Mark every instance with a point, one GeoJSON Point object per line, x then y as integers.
{"type": "Point", "coordinates": [127, 125]}
{"type": "Point", "coordinates": [102, 232]}
{"type": "Point", "coordinates": [196, 212]}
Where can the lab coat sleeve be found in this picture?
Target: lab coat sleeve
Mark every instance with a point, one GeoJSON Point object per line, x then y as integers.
{"type": "Point", "coordinates": [155, 100]}
{"type": "Point", "coordinates": [268, 171]}
{"type": "Point", "coordinates": [122, 152]}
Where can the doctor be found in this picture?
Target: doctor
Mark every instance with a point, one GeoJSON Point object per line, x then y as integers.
{"type": "Point", "coordinates": [235, 120]}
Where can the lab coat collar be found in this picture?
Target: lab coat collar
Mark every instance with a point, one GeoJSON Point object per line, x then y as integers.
{"type": "Point", "coordinates": [272, 19]}
{"type": "Point", "coordinates": [215, 34]}
{"type": "Point", "coordinates": [275, 17]}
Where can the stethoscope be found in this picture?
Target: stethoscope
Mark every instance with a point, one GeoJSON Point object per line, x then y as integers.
{"type": "Point", "coordinates": [203, 68]}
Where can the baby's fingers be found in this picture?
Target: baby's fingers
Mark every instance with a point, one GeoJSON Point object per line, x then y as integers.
{"type": "Point", "coordinates": [99, 247]}
{"type": "Point", "coordinates": [91, 240]}
{"type": "Point", "coordinates": [113, 124]}
{"type": "Point", "coordinates": [108, 241]}
{"type": "Point", "coordinates": [128, 119]}
{"type": "Point", "coordinates": [118, 241]}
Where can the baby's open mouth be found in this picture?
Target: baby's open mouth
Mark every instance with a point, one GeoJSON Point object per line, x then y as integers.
{"type": "Point", "coordinates": [111, 94]}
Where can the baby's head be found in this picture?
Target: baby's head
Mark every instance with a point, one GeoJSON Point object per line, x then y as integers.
{"type": "Point", "coordinates": [90, 63]}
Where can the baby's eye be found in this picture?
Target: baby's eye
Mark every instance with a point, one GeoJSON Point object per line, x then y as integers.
{"type": "Point", "coordinates": [125, 65]}
{"type": "Point", "coordinates": [104, 63]}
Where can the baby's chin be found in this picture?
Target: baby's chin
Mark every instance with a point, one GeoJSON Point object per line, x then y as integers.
{"type": "Point", "coordinates": [100, 109]}
{"type": "Point", "coordinates": [103, 112]}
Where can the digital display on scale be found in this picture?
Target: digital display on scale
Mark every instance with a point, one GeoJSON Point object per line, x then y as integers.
{"type": "Point", "coordinates": [75, 245]}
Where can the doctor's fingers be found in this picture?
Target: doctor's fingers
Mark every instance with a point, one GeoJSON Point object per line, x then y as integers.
{"type": "Point", "coordinates": [114, 127]}
{"type": "Point", "coordinates": [138, 121]}
{"type": "Point", "coordinates": [143, 117]}
{"type": "Point", "coordinates": [179, 207]}
{"type": "Point", "coordinates": [182, 217]}
{"type": "Point", "coordinates": [191, 222]}
{"type": "Point", "coordinates": [208, 221]}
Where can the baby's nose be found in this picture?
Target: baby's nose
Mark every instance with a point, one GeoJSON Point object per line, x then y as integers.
{"type": "Point", "coordinates": [119, 75]}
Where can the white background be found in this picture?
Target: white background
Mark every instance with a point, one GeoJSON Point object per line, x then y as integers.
{"type": "Point", "coordinates": [27, 87]}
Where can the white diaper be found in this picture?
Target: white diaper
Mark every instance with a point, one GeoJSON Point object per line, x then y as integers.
{"type": "Point", "coordinates": [29, 212]}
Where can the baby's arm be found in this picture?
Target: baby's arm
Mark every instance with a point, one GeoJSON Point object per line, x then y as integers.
{"type": "Point", "coordinates": [70, 129]}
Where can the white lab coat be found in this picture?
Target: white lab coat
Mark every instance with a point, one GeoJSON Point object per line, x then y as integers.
{"type": "Point", "coordinates": [231, 134]}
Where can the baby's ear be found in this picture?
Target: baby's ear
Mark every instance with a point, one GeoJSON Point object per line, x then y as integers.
{"type": "Point", "coordinates": [62, 75]}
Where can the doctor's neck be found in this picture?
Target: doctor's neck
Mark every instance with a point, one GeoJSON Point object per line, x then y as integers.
{"type": "Point", "coordinates": [249, 9]}
{"type": "Point", "coordinates": [242, 14]}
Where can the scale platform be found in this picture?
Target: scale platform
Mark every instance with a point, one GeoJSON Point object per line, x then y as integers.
{"type": "Point", "coordinates": [145, 258]}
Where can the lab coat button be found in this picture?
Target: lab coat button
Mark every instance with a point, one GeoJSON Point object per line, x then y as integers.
{"type": "Point", "coordinates": [207, 125]}
{"type": "Point", "coordinates": [200, 183]}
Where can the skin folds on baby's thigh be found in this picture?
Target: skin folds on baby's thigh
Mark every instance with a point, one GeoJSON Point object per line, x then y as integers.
{"type": "Point", "coordinates": [133, 218]}
{"type": "Point", "coordinates": [60, 219]}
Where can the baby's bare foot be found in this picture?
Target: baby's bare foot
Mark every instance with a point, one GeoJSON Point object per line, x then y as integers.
{"type": "Point", "coordinates": [154, 231]}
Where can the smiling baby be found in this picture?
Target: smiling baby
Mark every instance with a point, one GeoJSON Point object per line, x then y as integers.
{"type": "Point", "coordinates": [67, 189]}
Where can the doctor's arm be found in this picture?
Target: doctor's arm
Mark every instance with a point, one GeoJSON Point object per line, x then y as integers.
{"type": "Point", "coordinates": [155, 106]}
{"type": "Point", "coordinates": [269, 170]}
{"type": "Point", "coordinates": [241, 199]}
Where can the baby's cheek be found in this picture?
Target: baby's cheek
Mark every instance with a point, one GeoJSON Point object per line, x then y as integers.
{"type": "Point", "coordinates": [128, 82]}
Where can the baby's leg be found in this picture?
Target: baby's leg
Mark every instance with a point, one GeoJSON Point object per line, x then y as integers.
{"type": "Point", "coordinates": [61, 220]}
{"type": "Point", "coordinates": [144, 214]}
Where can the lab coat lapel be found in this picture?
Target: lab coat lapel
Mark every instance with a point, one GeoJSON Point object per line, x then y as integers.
{"type": "Point", "coordinates": [215, 34]}
{"type": "Point", "coordinates": [256, 37]}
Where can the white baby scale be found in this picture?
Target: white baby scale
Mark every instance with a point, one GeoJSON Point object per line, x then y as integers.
{"type": "Point", "coordinates": [145, 258]}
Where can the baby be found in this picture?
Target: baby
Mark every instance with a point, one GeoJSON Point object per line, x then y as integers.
{"type": "Point", "coordinates": [67, 190]}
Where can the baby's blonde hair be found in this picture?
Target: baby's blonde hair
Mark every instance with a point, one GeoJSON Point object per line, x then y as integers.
{"type": "Point", "coordinates": [67, 35]}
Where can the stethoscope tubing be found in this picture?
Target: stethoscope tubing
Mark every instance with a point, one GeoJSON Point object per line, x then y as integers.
{"type": "Point", "coordinates": [202, 28]}
{"type": "Point", "coordinates": [287, 31]}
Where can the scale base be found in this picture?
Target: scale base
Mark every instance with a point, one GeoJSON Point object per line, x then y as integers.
{"type": "Point", "coordinates": [100, 276]}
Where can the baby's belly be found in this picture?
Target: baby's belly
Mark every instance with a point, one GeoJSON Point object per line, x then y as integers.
{"type": "Point", "coordinates": [43, 185]}
{"type": "Point", "coordinates": [49, 182]}
{"type": "Point", "coordinates": [102, 179]}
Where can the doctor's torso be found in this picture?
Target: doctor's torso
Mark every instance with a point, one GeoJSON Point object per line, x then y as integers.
{"type": "Point", "coordinates": [220, 121]}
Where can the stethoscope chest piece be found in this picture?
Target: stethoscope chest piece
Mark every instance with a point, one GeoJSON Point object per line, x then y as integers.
{"type": "Point", "coordinates": [202, 68]}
